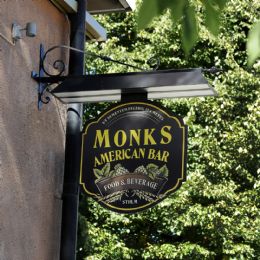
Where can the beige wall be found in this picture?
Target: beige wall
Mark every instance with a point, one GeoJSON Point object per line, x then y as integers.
{"type": "Point", "coordinates": [31, 141]}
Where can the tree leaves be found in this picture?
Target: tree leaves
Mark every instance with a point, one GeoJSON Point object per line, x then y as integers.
{"type": "Point", "coordinates": [253, 43]}
{"type": "Point", "coordinates": [182, 9]}
{"type": "Point", "coordinates": [148, 10]}
{"type": "Point", "coordinates": [212, 16]}
{"type": "Point", "coordinates": [213, 10]}
{"type": "Point", "coordinates": [189, 29]}
{"type": "Point", "coordinates": [153, 8]}
{"type": "Point", "coordinates": [179, 8]}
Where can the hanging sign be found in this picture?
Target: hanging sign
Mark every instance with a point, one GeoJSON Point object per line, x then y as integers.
{"type": "Point", "coordinates": [133, 156]}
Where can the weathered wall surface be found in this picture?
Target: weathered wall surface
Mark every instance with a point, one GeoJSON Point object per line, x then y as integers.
{"type": "Point", "coordinates": [31, 141]}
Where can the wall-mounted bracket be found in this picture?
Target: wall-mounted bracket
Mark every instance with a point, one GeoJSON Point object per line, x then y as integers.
{"type": "Point", "coordinates": [45, 78]}
{"type": "Point", "coordinates": [151, 84]}
{"type": "Point", "coordinates": [43, 90]}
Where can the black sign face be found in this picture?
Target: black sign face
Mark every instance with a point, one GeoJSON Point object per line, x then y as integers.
{"type": "Point", "coordinates": [133, 156]}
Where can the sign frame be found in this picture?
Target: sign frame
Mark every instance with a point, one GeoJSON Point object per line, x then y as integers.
{"type": "Point", "coordinates": [180, 180]}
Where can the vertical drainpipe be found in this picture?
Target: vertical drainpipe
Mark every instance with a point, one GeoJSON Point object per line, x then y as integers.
{"type": "Point", "coordinates": [73, 143]}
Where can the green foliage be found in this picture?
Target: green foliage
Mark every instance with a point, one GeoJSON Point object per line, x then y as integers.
{"type": "Point", "coordinates": [152, 8]}
{"type": "Point", "coordinates": [253, 44]}
{"type": "Point", "coordinates": [183, 12]}
{"type": "Point", "coordinates": [215, 214]}
{"type": "Point", "coordinates": [148, 11]}
{"type": "Point", "coordinates": [189, 31]}
{"type": "Point", "coordinates": [212, 14]}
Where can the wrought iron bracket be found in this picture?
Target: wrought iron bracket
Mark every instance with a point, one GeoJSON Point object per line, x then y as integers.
{"type": "Point", "coordinates": [46, 79]}
{"type": "Point", "coordinates": [43, 87]}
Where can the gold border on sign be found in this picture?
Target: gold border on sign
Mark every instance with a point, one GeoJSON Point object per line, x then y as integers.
{"type": "Point", "coordinates": [101, 117]}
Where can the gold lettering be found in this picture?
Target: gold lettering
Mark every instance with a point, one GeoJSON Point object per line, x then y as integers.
{"type": "Point", "coordinates": [102, 137]}
{"type": "Point", "coordinates": [97, 163]}
{"type": "Point", "coordinates": [135, 155]}
{"type": "Point", "coordinates": [166, 134]}
{"type": "Point", "coordinates": [104, 158]}
{"type": "Point", "coordinates": [148, 136]}
{"type": "Point", "coordinates": [158, 155]}
{"type": "Point", "coordinates": [151, 154]}
{"type": "Point", "coordinates": [127, 156]}
{"type": "Point", "coordinates": [142, 152]}
{"type": "Point", "coordinates": [123, 138]}
{"type": "Point", "coordinates": [165, 156]}
{"type": "Point", "coordinates": [119, 155]}
{"type": "Point", "coordinates": [135, 135]}
{"type": "Point", "coordinates": [111, 156]}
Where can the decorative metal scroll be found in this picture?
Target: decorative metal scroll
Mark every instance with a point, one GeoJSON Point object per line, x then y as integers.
{"type": "Point", "coordinates": [43, 98]}
{"type": "Point", "coordinates": [59, 65]}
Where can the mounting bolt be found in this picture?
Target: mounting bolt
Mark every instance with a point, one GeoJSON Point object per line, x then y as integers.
{"type": "Point", "coordinates": [34, 74]}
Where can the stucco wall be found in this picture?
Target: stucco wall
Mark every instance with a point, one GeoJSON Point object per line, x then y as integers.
{"type": "Point", "coordinates": [31, 141]}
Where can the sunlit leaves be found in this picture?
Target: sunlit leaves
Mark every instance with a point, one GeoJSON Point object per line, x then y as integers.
{"type": "Point", "coordinates": [182, 9]}
{"type": "Point", "coordinates": [153, 8]}
{"type": "Point", "coordinates": [253, 44]}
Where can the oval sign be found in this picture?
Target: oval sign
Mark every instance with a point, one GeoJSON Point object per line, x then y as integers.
{"type": "Point", "coordinates": [133, 156]}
